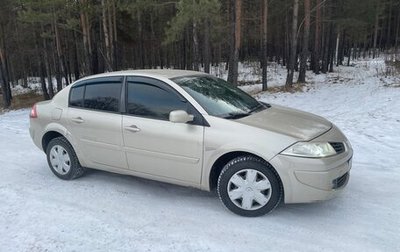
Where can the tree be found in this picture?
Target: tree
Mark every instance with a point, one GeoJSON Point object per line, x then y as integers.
{"type": "Point", "coordinates": [396, 43]}
{"type": "Point", "coordinates": [293, 47]}
{"type": "Point", "coordinates": [5, 86]}
{"type": "Point", "coordinates": [376, 28]}
{"type": "Point", "coordinates": [317, 38]}
{"type": "Point", "coordinates": [306, 37]}
{"type": "Point", "coordinates": [264, 44]}
{"type": "Point", "coordinates": [199, 17]}
{"type": "Point", "coordinates": [5, 13]}
{"type": "Point", "coordinates": [236, 23]}
{"type": "Point", "coordinates": [67, 39]}
{"type": "Point", "coordinates": [109, 25]}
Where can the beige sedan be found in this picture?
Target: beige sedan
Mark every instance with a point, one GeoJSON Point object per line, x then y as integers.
{"type": "Point", "coordinates": [192, 129]}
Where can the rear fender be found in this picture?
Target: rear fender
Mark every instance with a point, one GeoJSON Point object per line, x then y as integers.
{"type": "Point", "coordinates": [56, 127]}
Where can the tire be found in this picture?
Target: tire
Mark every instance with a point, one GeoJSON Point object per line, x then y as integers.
{"type": "Point", "coordinates": [249, 186]}
{"type": "Point", "coordinates": [62, 159]}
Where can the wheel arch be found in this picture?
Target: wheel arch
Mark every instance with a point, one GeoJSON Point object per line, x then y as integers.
{"type": "Point", "coordinates": [219, 164]}
{"type": "Point", "coordinates": [48, 136]}
{"type": "Point", "coordinates": [52, 131]}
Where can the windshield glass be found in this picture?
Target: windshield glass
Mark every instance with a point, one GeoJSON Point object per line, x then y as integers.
{"type": "Point", "coordinates": [218, 97]}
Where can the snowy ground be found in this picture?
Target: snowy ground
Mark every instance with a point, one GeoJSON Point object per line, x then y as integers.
{"type": "Point", "coordinates": [108, 212]}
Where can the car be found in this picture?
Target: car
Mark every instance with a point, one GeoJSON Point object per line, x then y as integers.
{"type": "Point", "coordinates": [192, 129]}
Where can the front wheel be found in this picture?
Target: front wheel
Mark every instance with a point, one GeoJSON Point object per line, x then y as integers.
{"type": "Point", "coordinates": [249, 186]}
{"type": "Point", "coordinates": [62, 159]}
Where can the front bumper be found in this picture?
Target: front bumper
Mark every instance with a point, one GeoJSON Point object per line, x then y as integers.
{"type": "Point", "coordinates": [315, 179]}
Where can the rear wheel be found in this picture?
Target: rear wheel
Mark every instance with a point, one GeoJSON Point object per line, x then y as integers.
{"type": "Point", "coordinates": [62, 159]}
{"type": "Point", "coordinates": [249, 186]}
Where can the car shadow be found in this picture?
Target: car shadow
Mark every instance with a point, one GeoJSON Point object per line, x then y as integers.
{"type": "Point", "coordinates": [131, 185]}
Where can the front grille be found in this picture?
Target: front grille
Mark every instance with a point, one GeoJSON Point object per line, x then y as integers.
{"type": "Point", "coordinates": [341, 181]}
{"type": "Point", "coordinates": [339, 147]}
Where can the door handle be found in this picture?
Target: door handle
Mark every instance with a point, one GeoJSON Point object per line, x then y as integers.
{"type": "Point", "coordinates": [132, 128]}
{"type": "Point", "coordinates": [77, 119]}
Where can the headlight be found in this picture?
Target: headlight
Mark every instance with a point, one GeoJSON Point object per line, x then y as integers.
{"type": "Point", "coordinates": [312, 150]}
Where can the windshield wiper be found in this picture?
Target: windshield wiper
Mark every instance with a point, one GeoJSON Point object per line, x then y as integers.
{"type": "Point", "coordinates": [259, 106]}
{"type": "Point", "coordinates": [266, 105]}
{"type": "Point", "coordinates": [236, 115]}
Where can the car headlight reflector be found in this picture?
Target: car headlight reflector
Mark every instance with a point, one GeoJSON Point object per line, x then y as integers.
{"type": "Point", "coordinates": [312, 150]}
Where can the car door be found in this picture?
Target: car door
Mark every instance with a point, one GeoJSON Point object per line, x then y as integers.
{"type": "Point", "coordinates": [153, 144]}
{"type": "Point", "coordinates": [95, 122]}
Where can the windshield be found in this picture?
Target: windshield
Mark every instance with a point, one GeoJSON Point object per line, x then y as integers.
{"type": "Point", "coordinates": [218, 97]}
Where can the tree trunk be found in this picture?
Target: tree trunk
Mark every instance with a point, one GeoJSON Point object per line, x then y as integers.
{"type": "Point", "coordinates": [48, 65]}
{"type": "Point", "coordinates": [286, 49]}
{"type": "Point", "coordinates": [5, 83]}
{"type": "Point", "coordinates": [348, 59]}
{"type": "Point", "coordinates": [141, 42]}
{"type": "Point", "coordinates": [337, 49]}
{"type": "Point", "coordinates": [355, 48]}
{"type": "Point", "coordinates": [341, 49]}
{"type": "Point", "coordinates": [183, 57]}
{"type": "Point", "coordinates": [396, 43]}
{"type": "Point", "coordinates": [5, 86]}
{"type": "Point", "coordinates": [236, 19]}
{"type": "Point", "coordinates": [75, 57]}
{"type": "Point", "coordinates": [293, 47]}
{"type": "Point", "coordinates": [376, 31]}
{"type": "Point", "coordinates": [87, 43]}
{"type": "Point", "coordinates": [264, 44]}
{"type": "Point", "coordinates": [59, 59]}
{"type": "Point", "coordinates": [95, 49]}
{"type": "Point", "coordinates": [331, 48]}
{"type": "Point", "coordinates": [388, 44]}
{"type": "Point", "coordinates": [58, 75]}
{"type": "Point", "coordinates": [49, 75]}
{"type": "Point", "coordinates": [189, 51]}
{"type": "Point", "coordinates": [115, 36]}
{"type": "Point", "coordinates": [306, 37]}
{"type": "Point", "coordinates": [207, 56]}
{"type": "Point", "coordinates": [153, 50]}
{"type": "Point", "coordinates": [42, 68]}
{"type": "Point", "coordinates": [106, 36]}
{"type": "Point", "coordinates": [4, 75]}
{"type": "Point", "coordinates": [110, 32]}
{"type": "Point", "coordinates": [196, 56]}
{"type": "Point", "coordinates": [21, 55]}
{"type": "Point", "coordinates": [326, 39]}
{"type": "Point", "coordinates": [317, 39]}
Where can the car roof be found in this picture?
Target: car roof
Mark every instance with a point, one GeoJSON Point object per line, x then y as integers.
{"type": "Point", "coordinates": [161, 73]}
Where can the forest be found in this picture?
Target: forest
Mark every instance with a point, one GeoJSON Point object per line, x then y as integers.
{"type": "Point", "coordinates": [60, 41]}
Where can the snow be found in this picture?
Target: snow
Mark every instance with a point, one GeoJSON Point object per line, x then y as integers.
{"type": "Point", "coordinates": [33, 85]}
{"type": "Point", "coordinates": [250, 73]}
{"type": "Point", "coordinates": [108, 212]}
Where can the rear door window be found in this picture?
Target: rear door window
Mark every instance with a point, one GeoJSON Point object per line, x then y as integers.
{"type": "Point", "coordinates": [76, 96]}
{"type": "Point", "coordinates": [102, 94]}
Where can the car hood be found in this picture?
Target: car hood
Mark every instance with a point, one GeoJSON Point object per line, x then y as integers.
{"type": "Point", "coordinates": [291, 122]}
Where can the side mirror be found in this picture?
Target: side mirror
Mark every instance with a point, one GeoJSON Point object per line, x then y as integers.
{"type": "Point", "coordinates": [180, 116]}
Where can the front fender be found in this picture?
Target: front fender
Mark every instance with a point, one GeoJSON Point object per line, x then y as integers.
{"type": "Point", "coordinates": [211, 155]}
{"type": "Point", "coordinates": [225, 136]}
